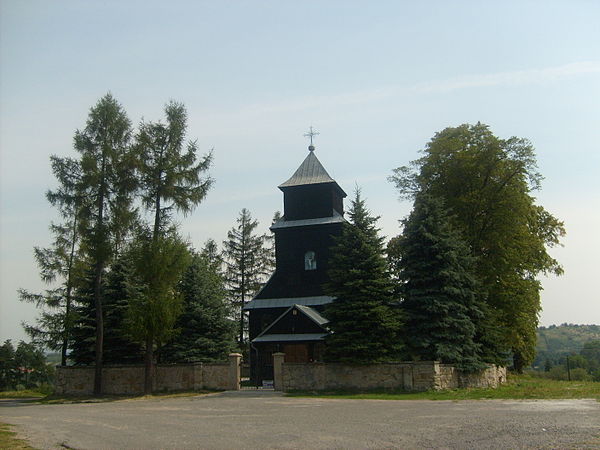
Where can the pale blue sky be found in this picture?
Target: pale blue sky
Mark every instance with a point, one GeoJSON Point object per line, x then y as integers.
{"type": "Point", "coordinates": [376, 79]}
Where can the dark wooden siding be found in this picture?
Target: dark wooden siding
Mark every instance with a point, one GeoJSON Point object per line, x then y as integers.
{"type": "Point", "coordinates": [295, 323]}
{"type": "Point", "coordinates": [308, 201]}
{"type": "Point", "coordinates": [290, 279]}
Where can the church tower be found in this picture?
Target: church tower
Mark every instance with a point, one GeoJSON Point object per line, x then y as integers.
{"type": "Point", "coordinates": [285, 315]}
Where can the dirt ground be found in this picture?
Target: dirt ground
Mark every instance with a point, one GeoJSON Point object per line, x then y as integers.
{"type": "Point", "coordinates": [250, 419]}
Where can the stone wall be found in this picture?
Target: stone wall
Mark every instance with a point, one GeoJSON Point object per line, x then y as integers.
{"type": "Point", "coordinates": [76, 380]}
{"type": "Point", "coordinates": [451, 378]}
{"type": "Point", "coordinates": [409, 376]}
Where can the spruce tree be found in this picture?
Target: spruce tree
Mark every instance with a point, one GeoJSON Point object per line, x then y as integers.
{"type": "Point", "coordinates": [83, 351]}
{"type": "Point", "coordinates": [442, 303]}
{"type": "Point", "coordinates": [118, 346]}
{"type": "Point", "coordinates": [246, 266]}
{"type": "Point", "coordinates": [206, 332]}
{"type": "Point", "coordinates": [364, 325]}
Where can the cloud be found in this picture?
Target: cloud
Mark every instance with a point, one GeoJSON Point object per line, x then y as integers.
{"type": "Point", "coordinates": [511, 78]}
{"type": "Point", "coordinates": [474, 81]}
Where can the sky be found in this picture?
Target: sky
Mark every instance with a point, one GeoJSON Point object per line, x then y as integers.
{"type": "Point", "coordinates": [376, 79]}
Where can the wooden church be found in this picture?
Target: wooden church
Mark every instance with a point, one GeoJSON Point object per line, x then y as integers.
{"type": "Point", "coordinates": [286, 314]}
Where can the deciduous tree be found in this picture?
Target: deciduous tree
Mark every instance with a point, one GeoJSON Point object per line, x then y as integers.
{"type": "Point", "coordinates": [487, 183]}
{"type": "Point", "coordinates": [154, 302]}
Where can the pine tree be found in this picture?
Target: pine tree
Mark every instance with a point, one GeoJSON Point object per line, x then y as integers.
{"type": "Point", "coordinates": [104, 191]}
{"type": "Point", "coordinates": [442, 301]}
{"type": "Point", "coordinates": [246, 262]}
{"type": "Point", "coordinates": [206, 333]}
{"type": "Point", "coordinates": [364, 326]}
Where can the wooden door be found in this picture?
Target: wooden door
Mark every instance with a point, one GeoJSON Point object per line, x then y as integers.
{"type": "Point", "coordinates": [296, 353]}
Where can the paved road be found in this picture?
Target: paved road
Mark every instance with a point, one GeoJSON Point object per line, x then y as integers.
{"type": "Point", "coordinates": [267, 420]}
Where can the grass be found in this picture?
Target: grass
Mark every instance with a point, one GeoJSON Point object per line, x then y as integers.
{"type": "Point", "coordinates": [26, 393]}
{"type": "Point", "coordinates": [52, 399]}
{"type": "Point", "coordinates": [8, 439]}
{"type": "Point", "coordinates": [518, 387]}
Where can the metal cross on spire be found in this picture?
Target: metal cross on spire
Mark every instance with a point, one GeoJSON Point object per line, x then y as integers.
{"type": "Point", "coordinates": [310, 135]}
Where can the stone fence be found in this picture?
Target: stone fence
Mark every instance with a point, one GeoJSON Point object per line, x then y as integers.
{"type": "Point", "coordinates": [79, 380]}
{"type": "Point", "coordinates": [409, 376]}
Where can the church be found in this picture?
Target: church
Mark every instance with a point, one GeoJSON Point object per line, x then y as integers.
{"type": "Point", "coordinates": [286, 314]}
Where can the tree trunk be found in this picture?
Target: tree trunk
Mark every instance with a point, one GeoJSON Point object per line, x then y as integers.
{"type": "Point", "coordinates": [156, 218]}
{"type": "Point", "coordinates": [517, 361]}
{"type": "Point", "coordinates": [99, 330]}
{"type": "Point", "coordinates": [67, 323]}
{"type": "Point", "coordinates": [148, 366]}
{"type": "Point", "coordinates": [100, 258]}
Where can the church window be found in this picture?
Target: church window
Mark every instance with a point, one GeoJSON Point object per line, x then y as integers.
{"type": "Point", "coordinates": [310, 261]}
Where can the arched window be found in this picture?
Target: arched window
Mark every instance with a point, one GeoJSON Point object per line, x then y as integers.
{"type": "Point", "coordinates": [310, 260]}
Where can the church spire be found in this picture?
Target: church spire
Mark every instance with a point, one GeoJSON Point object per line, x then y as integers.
{"type": "Point", "coordinates": [311, 134]}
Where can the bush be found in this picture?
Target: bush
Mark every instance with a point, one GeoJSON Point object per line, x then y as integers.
{"type": "Point", "coordinates": [580, 374]}
{"type": "Point", "coordinates": [46, 389]}
{"type": "Point", "coordinates": [557, 373]}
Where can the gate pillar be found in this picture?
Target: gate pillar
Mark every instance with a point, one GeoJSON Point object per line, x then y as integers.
{"type": "Point", "coordinates": [234, 371]}
{"type": "Point", "coordinates": [278, 371]}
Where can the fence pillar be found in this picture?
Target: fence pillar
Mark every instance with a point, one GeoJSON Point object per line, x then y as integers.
{"type": "Point", "coordinates": [234, 371]}
{"type": "Point", "coordinates": [278, 371]}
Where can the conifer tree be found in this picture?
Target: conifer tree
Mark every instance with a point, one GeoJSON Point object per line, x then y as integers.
{"type": "Point", "coordinates": [442, 303]}
{"type": "Point", "coordinates": [118, 346]}
{"type": "Point", "coordinates": [83, 347]}
{"type": "Point", "coordinates": [168, 174]}
{"type": "Point", "coordinates": [246, 265]}
{"type": "Point", "coordinates": [8, 367]}
{"type": "Point", "coordinates": [61, 262]}
{"type": "Point", "coordinates": [364, 326]}
{"type": "Point", "coordinates": [206, 331]}
{"type": "Point", "coordinates": [170, 179]}
{"type": "Point", "coordinates": [104, 192]}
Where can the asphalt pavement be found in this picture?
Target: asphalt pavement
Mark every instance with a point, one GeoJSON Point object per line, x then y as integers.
{"type": "Point", "coordinates": [266, 419]}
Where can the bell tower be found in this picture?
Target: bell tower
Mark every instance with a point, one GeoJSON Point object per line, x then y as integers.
{"type": "Point", "coordinates": [313, 213]}
{"type": "Point", "coordinates": [285, 315]}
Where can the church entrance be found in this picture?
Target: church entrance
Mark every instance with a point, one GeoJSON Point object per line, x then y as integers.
{"type": "Point", "coordinates": [296, 353]}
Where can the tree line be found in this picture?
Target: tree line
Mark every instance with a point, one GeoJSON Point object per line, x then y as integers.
{"type": "Point", "coordinates": [126, 284]}
{"type": "Point", "coordinates": [583, 365]}
{"type": "Point", "coordinates": [459, 283]}
{"type": "Point", "coordinates": [23, 367]}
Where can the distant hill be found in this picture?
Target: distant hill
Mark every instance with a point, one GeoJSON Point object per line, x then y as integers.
{"type": "Point", "coordinates": [559, 340]}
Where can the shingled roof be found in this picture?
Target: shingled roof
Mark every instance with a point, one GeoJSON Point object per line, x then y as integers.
{"type": "Point", "coordinates": [311, 171]}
